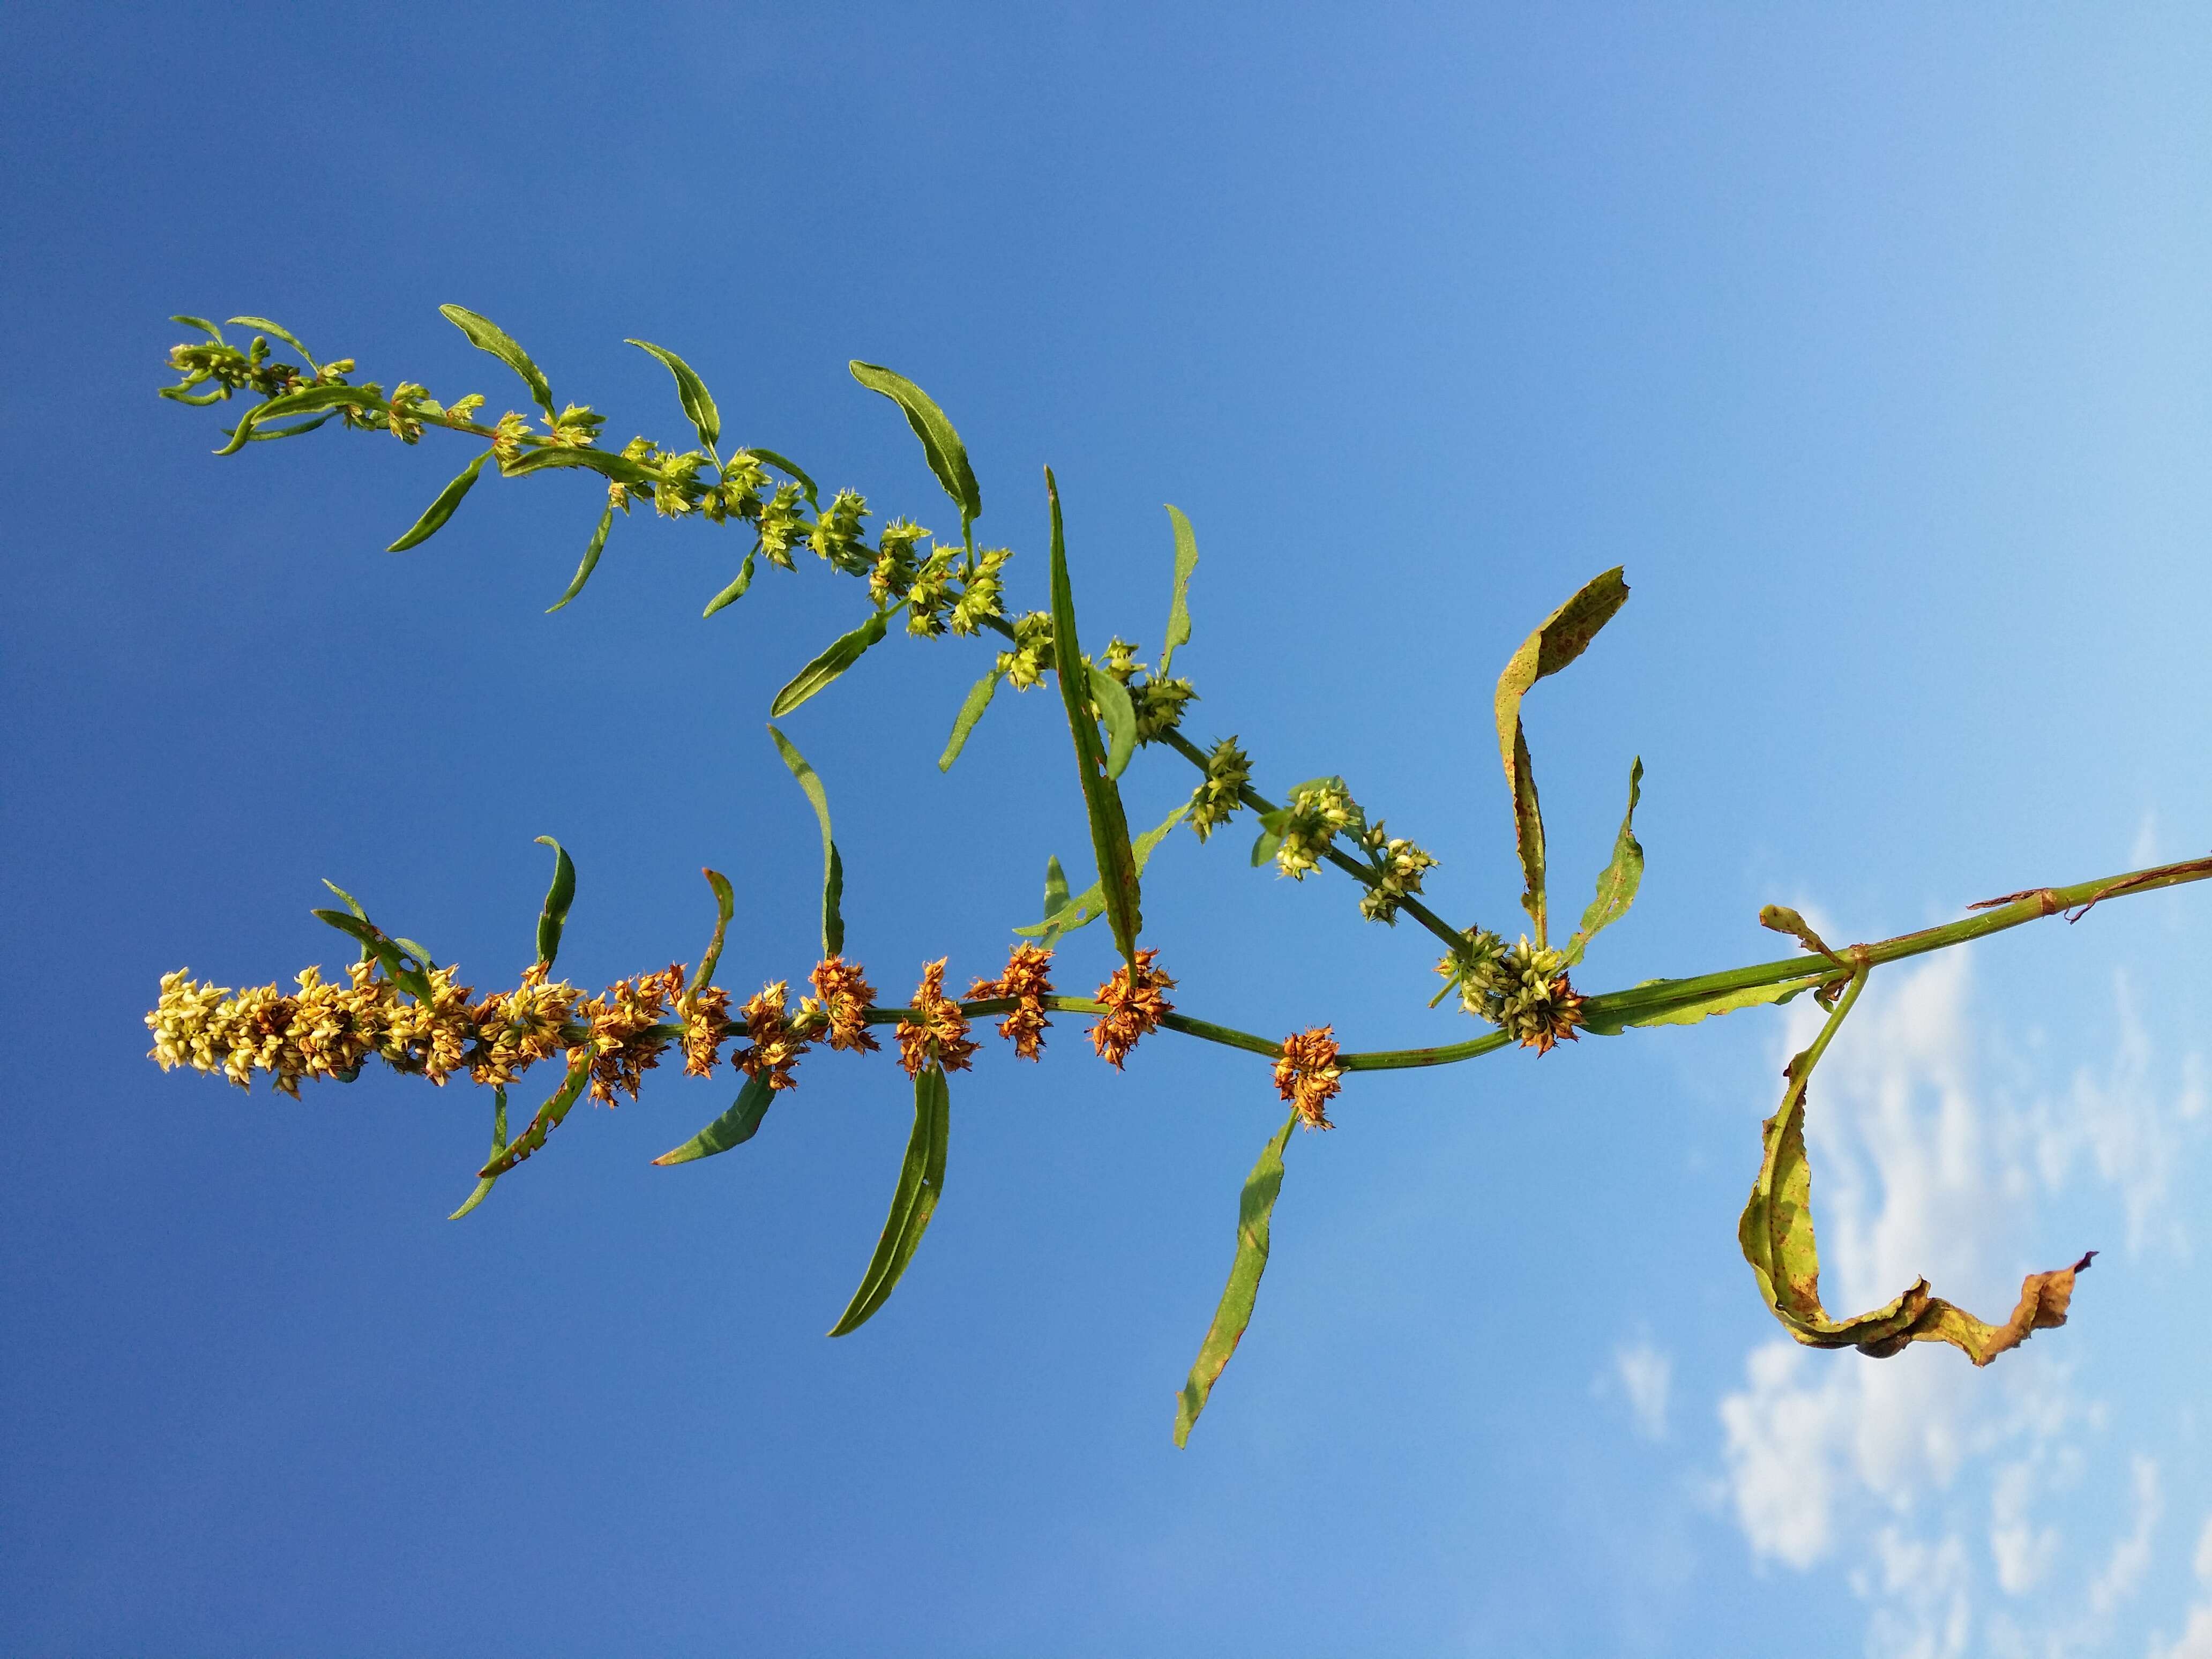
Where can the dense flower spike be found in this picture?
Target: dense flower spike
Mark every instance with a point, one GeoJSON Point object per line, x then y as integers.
{"type": "Point", "coordinates": [707, 1025]}
{"type": "Point", "coordinates": [1031, 659]}
{"type": "Point", "coordinates": [1317, 813]}
{"type": "Point", "coordinates": [772, 1047]}
{"type": "Point", "coordinates": [1522, 989]}
{"type": "Point", "coordinates": [937, 1029]}
{"type": "Point", "coordinates": [1228, 769]}
{"type": "Point", "coordinates": [1398, 865]}
{"type": "Point", "coordinates": [1024, 979]}
{"type": "Point", "coordinates": [1307, 1074]}
{"type": "Point", "coordinates": [625, 1041]}
{"type": "Point", "coordinates": [846, 994]}
{"type": "Point", "coordinates": [1134, 1007]}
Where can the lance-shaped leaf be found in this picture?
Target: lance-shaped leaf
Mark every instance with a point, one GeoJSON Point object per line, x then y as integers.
{"type": "Point", "coordinates": [559, 895]}
{"type": "Point", "coordinates": [1186, 561]}
{"type": "Point", "coordinates": [833, 866]}
{"type": "Point", "coordinates": [725, 905]}
{"type": "Point", "coordinates": [1256, 1210]}
{"type": "Point", "coordinates": [1610, 1015]}
{"type": "Point", "coordinates": [1618, 882]}
{"type": "Point", "coordinates": [201, 324]}
{"type": "Point", "coordinates": [404, 962]}
{"type": "Point", "coordinates": [1776, 1234]}
{"type": "Point", "coordinates": [733, 1128]}
{"type": "Point", "coordinates": [261, 434]}
{"type": "Point", "coordinates": [590, 562]}
{"type": "Point", "coordinates": [791, 469]}
{"type": "Point", "coordinates": [839, 655]}
{"type": "Point", "coordinates": [947, 455]}
{"type": "Point", "coordinates": [1102, 800]}
{"type": "Point", "coordinates": [1066, 915]}
{"type": "Point", "coordinates": [265, 326]}
{"type": "Point", "coordinates": [971, 710]}
{"type": "Point", "coordinates": [305, 401]}
{"type": "Point", "coordinates": [487, 336]}
{"type": "Point", "coordinates": [1559, 639]}
{"type": "Point", "coordinates": [484, 1183]}
{"type": "Point", "coordinates": [553, 458]}
{"type": "Point", "coordinates": [735, 590]}
{"type": "Point", "coordinates": [922, 1179]}
{"type": "Point", "coordinates": [435, 516]}
{"type": "Point", "coordinates": [691, 393]}
{"type": "Point", "coordinates": [1120, 714]}
{"type": "Point", "coordinates": [548, 1119]}
{"type": "Point", "coordinates": [353, 905]}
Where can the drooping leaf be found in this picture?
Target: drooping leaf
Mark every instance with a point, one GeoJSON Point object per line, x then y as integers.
{"type": "Point", "coordinates": [922, 1179]}
{"type": "Point", "coordinates": [1186, 561]}
{"type": "Point", "coordinates": [1559, 639]}
{"type": "Point", "coordinates": [833, 867]}
{"type": "Point", "coordinates": [1088, 906]}
{"type": "Point", "coordinates": [840, 655]}
{"type": "Point", "coordinates": [559, 897]}
{"type": "Point", "coordinates": [733, 1128]}
{"type": "Point", "coordinates": [305, 401]}
{"type": "Point", "coordinates": [202, 325]}
{"type": "Point", "coordinates": [725, 905]}
{"type": "Point", "coordinates": [1618, 882]}
{"type": "Point", "coordinates": [435, 516]}
{"type": "Point", "coordinates": [262, 324]}
{"type": "Point", "coordinates": [940, 444]}
{"type": "Point", "coordinates": [1776, 1237]}
{"type": "Point", "coordinates": [266, 434]}
{"type": "Point", "coordinates": [1255, 1209]}
{"type": "Point", "coordinates": [971, 710]}
{"type": "Point", "coordinates": [553, 458]}
{"type": "Point", "coordinates": [791, 469]}
{"type": "Point", "coordinates": [1102, 800]}
{"type": "Point", "coordinates": [484, 1183]}
{"type": "Point", "coordinates": [1781, 919]}
{"type": "Point", "coordinates": [1610, 1016]}
{"type": "Point", "coordinates": [549, 1118]}
{"type": "Point", "coordinates": [590, 562]}
{"type": "Point", "coordinates": [691, 393]}
{"type": "Point", "coordinates": [735, 590]}
{"type": "Point", "coordinates": [1055, 886]}
{"type": "Point", "coordinates": [1120, 714]}
{"type": "Point", "coordinates": [487, 336]}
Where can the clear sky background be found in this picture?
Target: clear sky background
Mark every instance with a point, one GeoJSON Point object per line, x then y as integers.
{"type": "Point", "coordinates": [1877, 345]}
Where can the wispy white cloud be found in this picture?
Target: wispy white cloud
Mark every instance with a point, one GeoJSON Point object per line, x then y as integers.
{"type": "Point", "coordinates": [1645, 1375]}
{"type": "Point", "coordinates": [2196, 1639]}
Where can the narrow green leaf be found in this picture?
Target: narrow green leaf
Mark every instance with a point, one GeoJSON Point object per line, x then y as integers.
{"type": "Point", "coordinates": [596, 546]}
{"type": "Point", "coordinates": [551, 457]}
{"type": "Point", "coordinates": [725, 905]}
{"type": "Point", "coordinates": [558, 897]}
{"type": "Point", "coordinates": [261, 434]}
{"type": "Point", "coordinates": [1120, 714]}
{"type": "Point", "coordinates": [1055, 886]}
{"type": "Point", "coordinates": [303, 402]}
{"type": "Point", "coordinates": [691, 391]}
{"type": "Point", "coordinates": [351, 903]}
{"type": "Point", "coordinates": [790, 469]}
{"type": "Point", "coordinates": [1091, 904]}
{"type": "Point", "coordinates": [196, 399]}
{"type": "Point", "coordinates": [1109, 824]}
{"type": "Point", "coordinates": [435, 516]}
{"type": "Point", "coordinates": [833, 867]}
{"type": "Point", "coordinates": [549, 1118]}
{"type": "Point", "coordinates": [1559, 639]}
{"type": "Point", "coordinates": [487, 336]}
{"type": "Point", "coordinates": [947, 455]}
{"type": "Point", "coordinates": [484, 1183]}
{"type": "Point", "coordinates": [1186, 561]}
{"type": "Point", "coordinates": [204, 325]}
{"type": "Point", "coordinates": [1255, 1209]}
{"type": "Point", "coordinates": [839, 655]}
{"type": "Point", "coordinates": [735, 590]}
{"type": "Point", "coordinates": [1618, 882]}
{"type": "Point", "coordinates": [922, 1179]}
{"type": "Point", "coordinates": [733, 1128]}
{"type": "Point", "coordinates": [264, 325]}
{"type": "Point", "coordinates": [1602, 1020]}
{"type": "Point", "coordinates": [971, 710]}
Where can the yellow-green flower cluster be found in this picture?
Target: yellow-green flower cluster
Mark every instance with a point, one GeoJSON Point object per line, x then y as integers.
{"type": "Point", "coordinates": [1031, 659]}
{"type": "Point", "coordinates": [1214, 802]}
{"type": "Point", "coordinates": [1522, 989]}
{"type": "Point", "coordinates": [1398, 865]}
{"type": "Point", "coordinates": [230, 370]}
{"type": "Point", "coordinates": [1158, 704]}
{"type": "Point", "coordinates": [1317, 813]}
{"type": "Point", "coordinates": [891, 577]}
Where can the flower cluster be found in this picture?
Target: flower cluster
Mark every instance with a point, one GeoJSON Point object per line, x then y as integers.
{"type": "Point", "coordinates": [707, 1025]}
{"type": "Point", "coordinates": [1307, 1074]}
{"type": "Point", "coordinates": [230, 370]}
{"type": "Point", "coordinates": [845, 995]}
{"type": "Point", "coordinates": [1318, 812]}
{"type": "Point", "coordinates": [937, 1029]}
{"type": "Point", "coordinates": [1398, 865]}
{"type": "Point", "coordinates": [625, 1041]}
{"type": "Point", "coordinates": [1134, 1007]}
{"type": "Point", "coordinates": [1159, 703]}
{"type": "Point", "coordinates": [1228, 769]}
{"type": "Point", "coordinates": [1031, 659]}
{"type": "Point", "coordinates": [1522, 989]}
{"type": "Point", "coordinates": [1025, 982]}
{"type": "Point", "coordinates": [772, 1045]}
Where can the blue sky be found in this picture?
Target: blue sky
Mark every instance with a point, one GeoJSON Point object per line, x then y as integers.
{"type": "Point", "coordinates": [1875, 346]}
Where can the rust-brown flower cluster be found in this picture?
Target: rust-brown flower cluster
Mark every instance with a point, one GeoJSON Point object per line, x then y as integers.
{"type": "Point", "coordinates": [937, 1029]}
{"type": "Point", "coordinates": [623, 1044]}
{"type": "Point", "coordinates": [772, 1047]}
{"type": "Point", "coordinates": [1134, 1007]}
{"type": "Point", "coordinates": [845, 995]}
{"type": "Point", "coordinates": [1307, 1074]}
{"type": "Point", "coordinates": [1026, 983]}
{"type": "Point", "coordinates": [707, 1024]}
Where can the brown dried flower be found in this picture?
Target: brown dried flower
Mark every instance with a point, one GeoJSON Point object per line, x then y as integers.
{"type": "Point", "coordinates": [937, 1031]}
{"type": "Point", "coordinates": [1307, 1074]}
{"type": "Point", "coordinates": [1132, 1009]}
{"type": "Point", "coordinates": [707, 1024]}
{"type": "Point", "coordinates": [1024, 980]}
{"type": "Point", "coordinates": [621, 1042]}
{"type": "Point", "coordinates": [846, 994]}
{"type": "Point", "coordinates": [773, 1047]}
